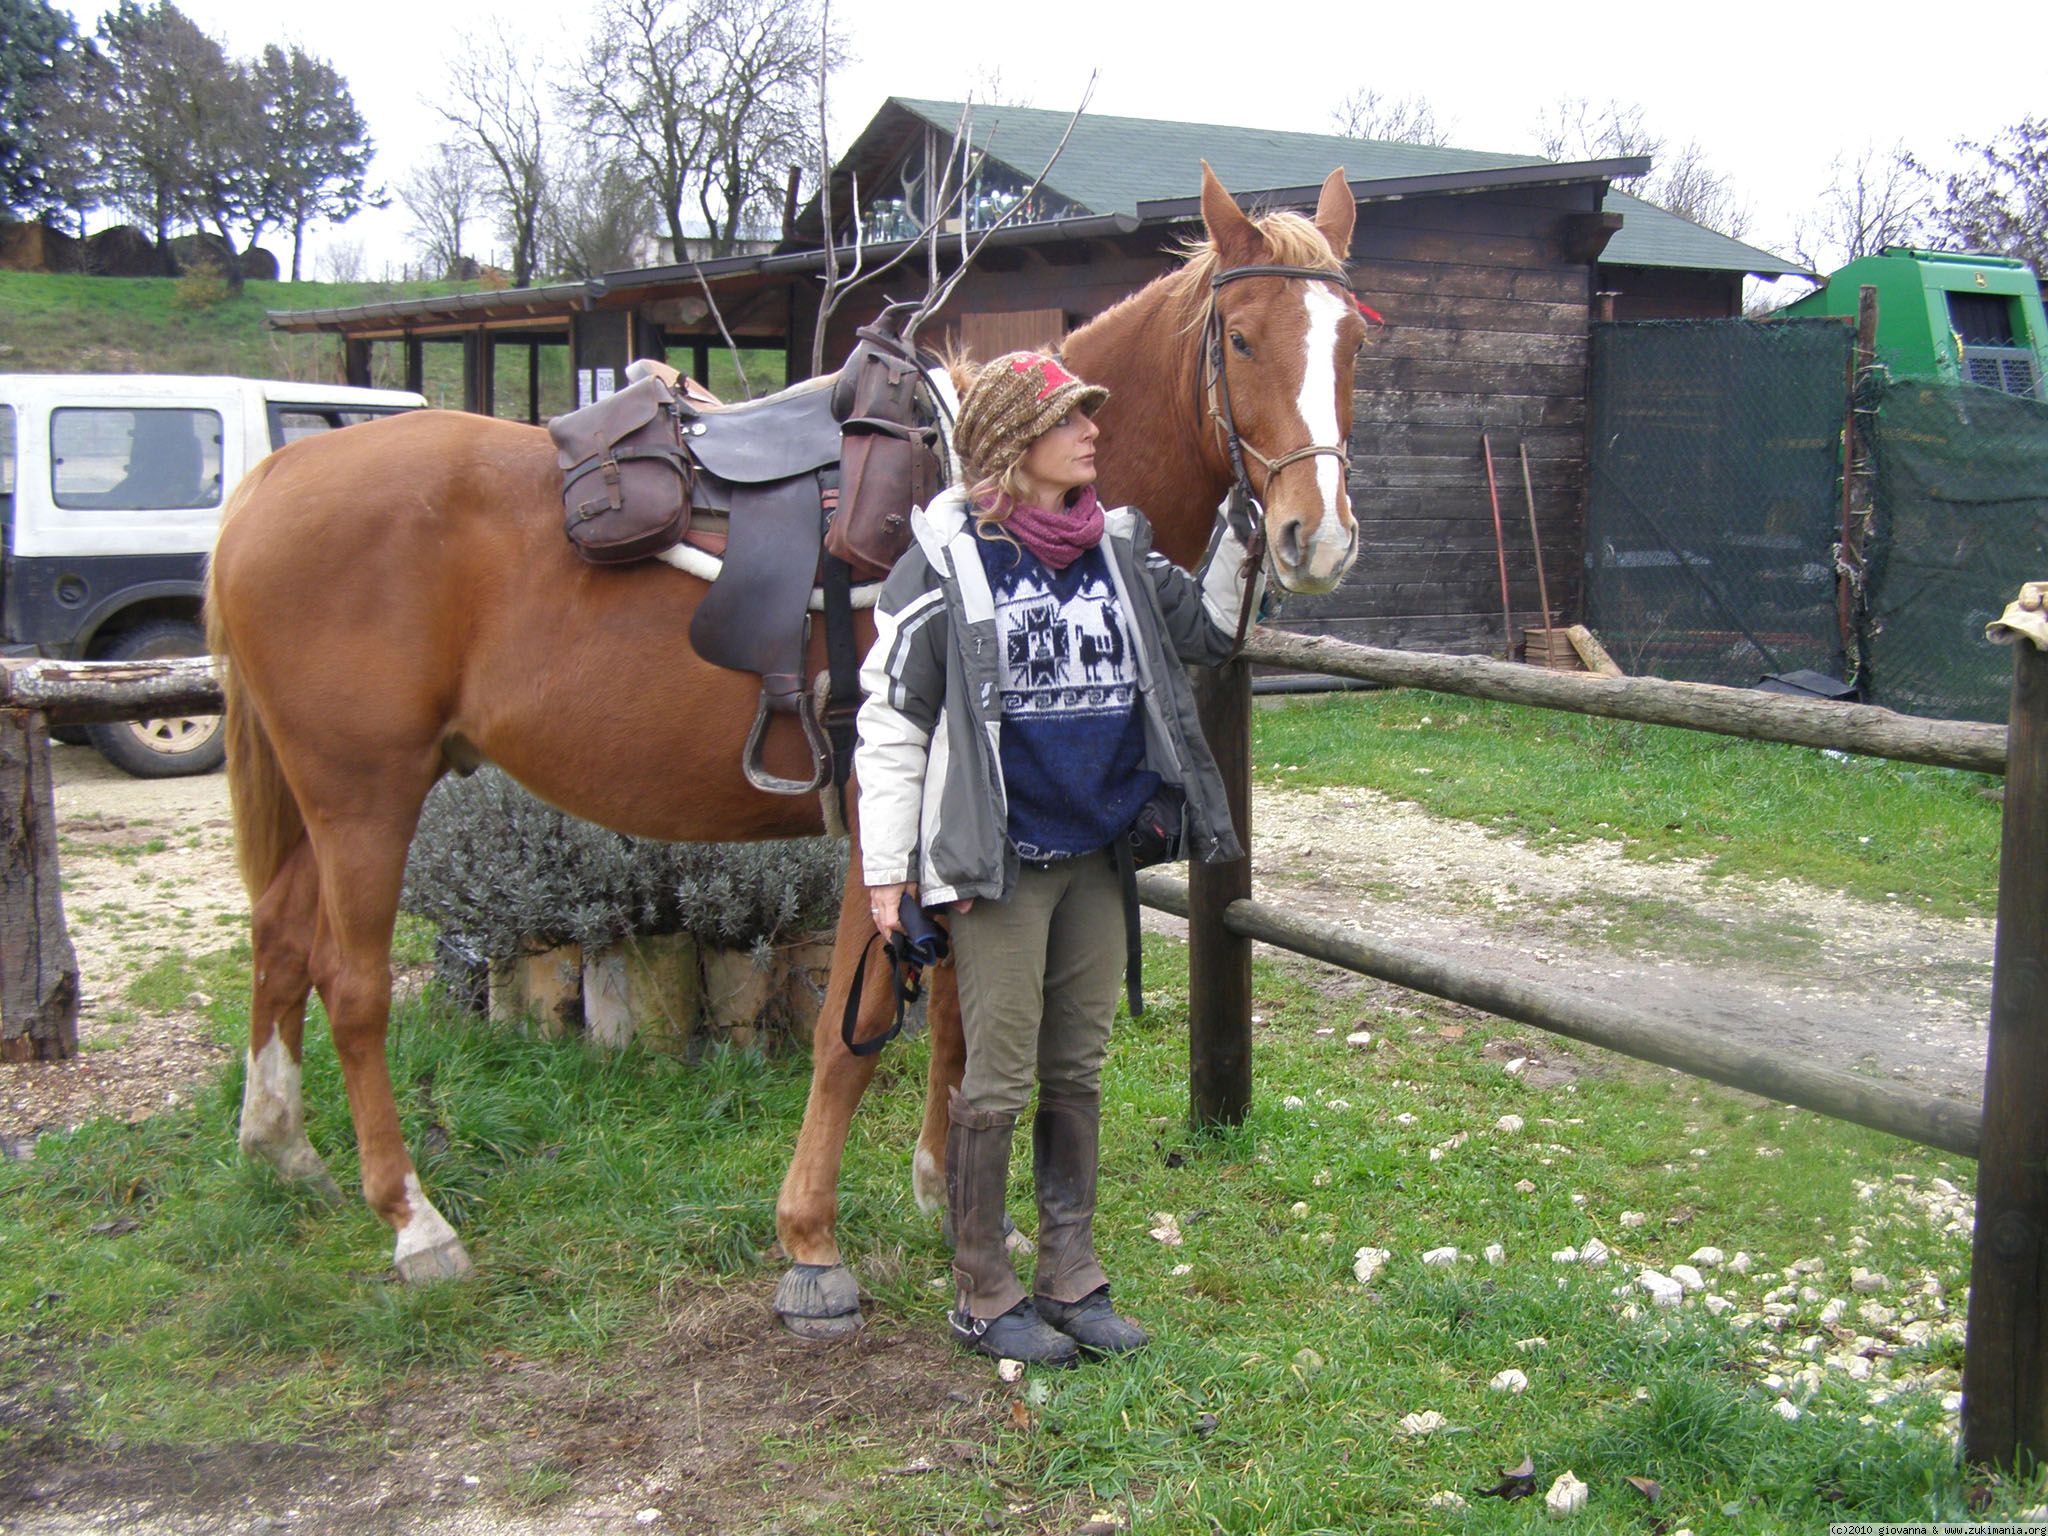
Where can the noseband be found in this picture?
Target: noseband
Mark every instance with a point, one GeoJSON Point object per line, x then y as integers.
{"type": "Point", "coordinates": [1216, 400]}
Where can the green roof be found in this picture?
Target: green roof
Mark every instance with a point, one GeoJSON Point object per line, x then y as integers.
{"type": "Point", "coordinates": [1115, 164]}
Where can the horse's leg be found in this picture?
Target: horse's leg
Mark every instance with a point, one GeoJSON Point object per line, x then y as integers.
{"type": "Point", "coordinates": [273, 1112]}
{"type": "Point", "coordinates": [362, 864]}
{"type": "Point", "coordinates": [818, 1298]}
{"type": "Point", "coordinates": [949, 1060]}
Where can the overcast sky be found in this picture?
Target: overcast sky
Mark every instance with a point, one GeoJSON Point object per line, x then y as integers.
{"type": "Point", "coordinates": [1773, 97]}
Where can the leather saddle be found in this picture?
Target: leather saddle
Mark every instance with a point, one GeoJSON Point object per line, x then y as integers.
{"type": "Point", "coordinates": [770, 472]}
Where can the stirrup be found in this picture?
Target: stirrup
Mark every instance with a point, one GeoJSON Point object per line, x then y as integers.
{"type": "Point", "coordinates": [814, 737]}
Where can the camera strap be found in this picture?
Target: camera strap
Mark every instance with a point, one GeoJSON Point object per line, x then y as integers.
{"type": "Point", "coordinates": [906, 984]}
{"type": "Point", "coordinates": [1134, 949]}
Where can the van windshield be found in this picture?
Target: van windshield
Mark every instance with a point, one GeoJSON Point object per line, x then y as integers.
{"type": "Point", "coordinates": [135, 460]}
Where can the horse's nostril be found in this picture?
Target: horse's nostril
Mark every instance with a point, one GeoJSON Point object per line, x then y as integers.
{"type": "Point", "coordinates": [1289, 542]}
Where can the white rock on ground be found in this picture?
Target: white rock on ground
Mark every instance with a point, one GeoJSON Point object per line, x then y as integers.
{"type": "Point", "coordinates": [1594, 1254]}
{"type": "Point", "coordinates": [1633, 1219]}
{"type": "Point", "coordinates": [1688, 1277]}
{"type": "Point", "coordinates": [1564, 1256]}
{"type": "Point", "coordinates": [1717, 1304]}
{"type": "Point", "coordinates": [1524, 1187]}
{"type": "Point", "coordinates": [1508, 1124]}
{"type": "Point", "coordinates": [1166, 1228]}
{"type": "Point", "coordinates": [1359, 1037]}
{"type": "Point", "coordinates": [1443, 1498]}
{"type": "Point", "coordinates": [1428, 1422]}
{"type": "Point", "coordinates": [1740, 1264]}
{"type": "Point", "coordinates": [1440, 1258]}
{"type": "Point", "coordinates": [1707, 1258]}
{"type": "Point", "coordinates": [1510, 1380]}
{"type": "Point", "coordinates": [1567, 1496]}
{"type": "Point", "coordinates": [1010, 1370]}
{"type": "Point", "coordinates": [1785, 1409]}
{"type": "Point", "coordinates": [1864, 1283]}
{"type": "Point", "coordinates": [1495, 1253]}
{"type": "Point", "coordinates": [1369, 1263]}
{"type": "Point", "coordinates": [1664, 1291]}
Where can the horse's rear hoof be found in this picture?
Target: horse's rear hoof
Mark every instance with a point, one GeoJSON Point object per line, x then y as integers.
{"type": "Point", "coordinates": [447, 1260]}
{"type": "Point", "coordinates": [818, 1301]}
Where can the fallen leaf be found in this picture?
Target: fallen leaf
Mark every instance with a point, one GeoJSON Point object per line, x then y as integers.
{"type": "Point", "coordinates": [1518, 1484]}
{"type": "Point", "coordinates": [1020, 1416]}
{"type": "Point", "coordinates": [1648, 1487]}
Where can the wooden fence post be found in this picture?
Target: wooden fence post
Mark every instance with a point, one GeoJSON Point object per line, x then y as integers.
{"type": "Point", "coordinates": [38, 971]}
{"type": "Point", "coordinates": [1219, 961]}
{"type": "Point", "coordinates": [2005, 1358]}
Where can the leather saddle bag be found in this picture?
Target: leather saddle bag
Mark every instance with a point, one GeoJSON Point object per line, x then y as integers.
{"type": "Point", "coordinates": [888, 460]}
{"type": "Point", "coordinates": [626, 480]}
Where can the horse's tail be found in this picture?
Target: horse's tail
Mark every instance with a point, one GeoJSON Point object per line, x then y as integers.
{"type": "Point", "coordinates": [267, 820]}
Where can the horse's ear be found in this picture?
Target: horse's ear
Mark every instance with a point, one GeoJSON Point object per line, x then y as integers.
{"type": "Point", "coordinates": [1336, 213]}
{"type": "Point", "coordinates": [1236, 241]}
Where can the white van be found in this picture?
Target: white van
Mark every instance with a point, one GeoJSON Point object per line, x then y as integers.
{"type": "Point", "coordinates": [111, 487]}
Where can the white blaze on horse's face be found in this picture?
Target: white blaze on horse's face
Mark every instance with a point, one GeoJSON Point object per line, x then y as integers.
{"type": "Point", "coordinates": [1334, 544]}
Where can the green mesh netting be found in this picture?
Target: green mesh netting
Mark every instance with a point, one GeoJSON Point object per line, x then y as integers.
{"type": "Point", "coordinates": [1714, 496]}
{"type": "Point", "coordinates": [1961, 521]}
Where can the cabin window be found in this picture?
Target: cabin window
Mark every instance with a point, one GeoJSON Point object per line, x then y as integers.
{"type": "Point", "coordinates": [135, 460]}
{"type": "Point", "coordinates": [1981, 319]}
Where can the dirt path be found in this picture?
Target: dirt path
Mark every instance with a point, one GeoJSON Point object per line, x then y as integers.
{"type": "Point", "coordinates": [1873, 987]}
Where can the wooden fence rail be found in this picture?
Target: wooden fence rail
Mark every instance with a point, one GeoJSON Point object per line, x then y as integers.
{"type": "Point", "coordinates": [2005, 1367]}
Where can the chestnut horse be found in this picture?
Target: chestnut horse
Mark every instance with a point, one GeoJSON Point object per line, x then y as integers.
{"type": "Point", "coordinates": [397, 600]}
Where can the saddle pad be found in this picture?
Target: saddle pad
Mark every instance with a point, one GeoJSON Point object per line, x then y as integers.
{"type": "Point", "coordinates": [765, 440]}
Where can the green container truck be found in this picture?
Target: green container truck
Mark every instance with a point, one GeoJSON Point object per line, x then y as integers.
{"type": "Point", "coordinates": [1947, 314]}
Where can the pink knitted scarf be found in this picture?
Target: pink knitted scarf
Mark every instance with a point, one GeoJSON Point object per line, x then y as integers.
{"type": "Point", "coordinates": [1057, 538]}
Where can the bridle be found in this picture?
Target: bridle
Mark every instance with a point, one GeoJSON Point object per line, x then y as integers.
{"type": "Point", "coordinates": [1243, 502]}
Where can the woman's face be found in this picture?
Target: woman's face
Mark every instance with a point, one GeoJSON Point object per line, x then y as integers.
{"type": "Point", "coordinates": [1061, 460]}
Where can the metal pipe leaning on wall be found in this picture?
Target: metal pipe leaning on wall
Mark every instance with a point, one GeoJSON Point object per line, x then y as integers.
{"type": "Point", "coordinates": [1947, 1124]}
{"type": "Point", "coordinates": [1860, 728]}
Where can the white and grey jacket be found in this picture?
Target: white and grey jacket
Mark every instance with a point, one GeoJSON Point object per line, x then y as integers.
{"type": "Point", "coordinates": [932, 802]}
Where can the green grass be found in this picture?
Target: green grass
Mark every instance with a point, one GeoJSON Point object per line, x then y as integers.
{"type": "Point", "coordinates": [1878, 830]}
{"type": "Point", "coordinates": [235, 1310]}
{"type": "Point", "coordinates": [56, 323]}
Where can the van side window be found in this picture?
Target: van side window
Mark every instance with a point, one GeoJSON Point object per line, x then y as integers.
{"type": "Point", "coordinates": [135, 460]}
{"type": "Point", "coordinates": [289, 423]}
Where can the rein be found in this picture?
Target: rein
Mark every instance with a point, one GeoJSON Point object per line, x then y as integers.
{"type": "Point", "coordinates": [1216, 401]}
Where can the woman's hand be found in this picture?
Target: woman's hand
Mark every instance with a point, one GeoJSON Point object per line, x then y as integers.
{"type": "Point", "coordinates": [885, 905]}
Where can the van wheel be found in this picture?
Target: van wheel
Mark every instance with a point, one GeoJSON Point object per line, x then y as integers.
{"type": "Point", "coordinates": [168, 748]}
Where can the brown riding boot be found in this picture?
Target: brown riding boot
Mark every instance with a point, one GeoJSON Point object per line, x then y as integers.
{"type": "Point", "coordinates": [992, 1315]}
{"type": "Point", "coordinates": [1071, 1292]}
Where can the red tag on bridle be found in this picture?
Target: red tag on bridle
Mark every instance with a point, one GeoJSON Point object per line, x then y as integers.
{"type": "Point", "coordinates": [1367, 310]}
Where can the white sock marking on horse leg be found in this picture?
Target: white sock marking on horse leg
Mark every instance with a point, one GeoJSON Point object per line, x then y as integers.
{"type": "Point", "coordinates": [927, 1183]}
{"type": "Point", "coordinates": [274, 1116]}
{"type": "Point", "coordinates": [1318, 407]}
{"type": "Point", "coordinates": [427, 1229]}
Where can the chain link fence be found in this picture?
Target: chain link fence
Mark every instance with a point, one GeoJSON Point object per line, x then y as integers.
{"type": "Point", "coordinates": [1714, 496]}
{"type": "Point", "coordinates": [1960, 522]}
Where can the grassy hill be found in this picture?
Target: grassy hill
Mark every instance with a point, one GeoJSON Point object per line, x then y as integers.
{"type": "Point", "coordinates": [72, 324]}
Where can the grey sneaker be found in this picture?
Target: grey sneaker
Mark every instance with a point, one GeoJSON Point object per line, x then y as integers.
{"type": "Point", "coordinates": [1093, 1323]}
{"type": "Point", "coordinates": [1019, 1334]}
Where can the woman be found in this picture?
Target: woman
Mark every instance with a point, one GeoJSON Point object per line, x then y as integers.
{"type": "Point", "coordinates": [1022, 706]}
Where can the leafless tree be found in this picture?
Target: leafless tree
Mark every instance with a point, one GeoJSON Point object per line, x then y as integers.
{"type": "Point", "coordinates": [495, 102]}
{"type": "Point", "coordinates": [1876, 199]}
{"type": "Point", "coordinates": [1683, 182]}
{"type": "Point", "coordinates": [596, 217]}
{"type": "Point", "coordinates": [1577, 129]}
{"type": "Point", "coordinates": [706, 99]}
{"type": "Point", "coordinates": [446, 194]}
{"type": "Point", "coordinates": [1366, 114]}
{"type": "Point", "coordinates": [1998, 201]}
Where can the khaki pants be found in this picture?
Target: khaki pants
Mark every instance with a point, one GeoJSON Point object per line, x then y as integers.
{"type": "Point", "coordinates": [1039, 978]}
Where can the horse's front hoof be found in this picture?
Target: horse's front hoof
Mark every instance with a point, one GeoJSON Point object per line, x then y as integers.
{"type": "Point", "coordinates": [818, 1301]}
{"type": "Point", "coordinates": [447, 1260]}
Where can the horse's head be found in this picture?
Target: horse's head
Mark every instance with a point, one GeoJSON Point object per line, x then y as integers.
{"type": "Point", "coordinates": [1287, 344]}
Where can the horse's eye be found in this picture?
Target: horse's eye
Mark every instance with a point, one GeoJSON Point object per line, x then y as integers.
{"type": "Point", "coordinates": [1244, 348]}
